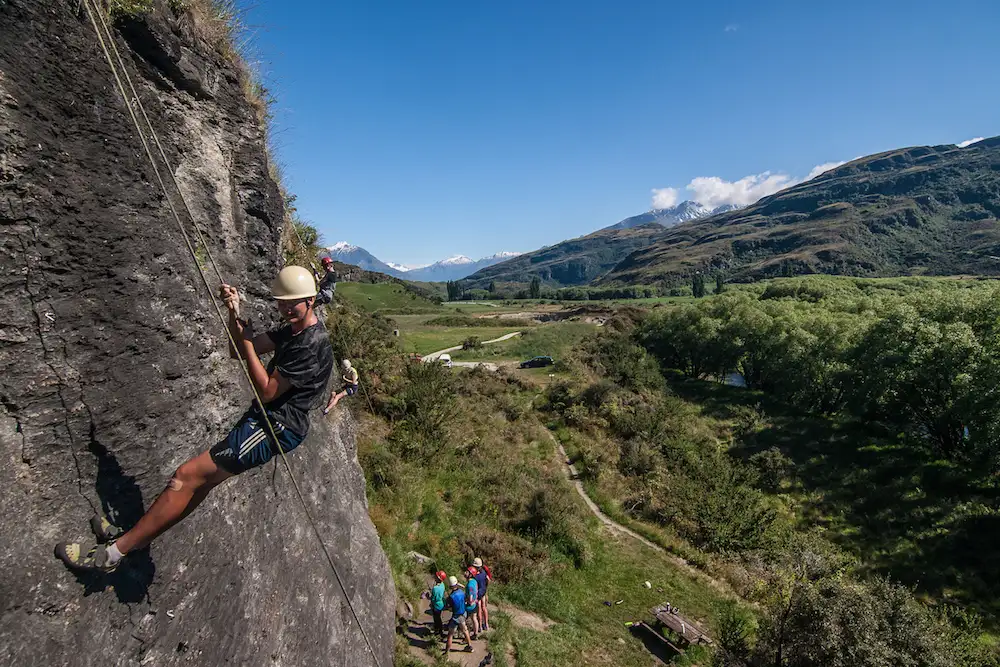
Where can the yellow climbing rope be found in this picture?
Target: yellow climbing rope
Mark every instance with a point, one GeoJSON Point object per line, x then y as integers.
{"type": "Point", "coordinates": [99, 23]}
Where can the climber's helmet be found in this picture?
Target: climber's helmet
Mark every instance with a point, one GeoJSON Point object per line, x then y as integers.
{"type": "Point", "coordinates": [293, 283]}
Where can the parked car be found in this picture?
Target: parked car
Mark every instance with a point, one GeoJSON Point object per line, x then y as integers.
{"type": "Point", "coordinates": [537, 362]}
{"type": "Point", "coordinates": [445, 359]}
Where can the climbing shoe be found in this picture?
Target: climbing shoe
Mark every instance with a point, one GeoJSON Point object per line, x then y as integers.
{"type": "Point", "coordinates": [75, 558]}
{"type": "Point", "coordinates": [104, 530]}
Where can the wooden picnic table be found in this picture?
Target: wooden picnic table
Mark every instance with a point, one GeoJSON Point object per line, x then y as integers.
{"type": "Point", "coordinates": [683, 627]}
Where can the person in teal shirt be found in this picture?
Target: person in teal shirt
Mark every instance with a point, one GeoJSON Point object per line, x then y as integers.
{"type": "Point", "coordinates": [472, 599]}
{"type": "Point", "coordinates": [437, 602]}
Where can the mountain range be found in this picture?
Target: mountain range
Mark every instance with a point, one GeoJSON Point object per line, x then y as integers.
{"type": "Point", "coordinates": [452, 268]}
{"type": "Point", "coordinates": [919, 210]}
{"type": "Point", "coordinates": [931, 210]}
{"type": "Point", "coordinates": [581, 260]}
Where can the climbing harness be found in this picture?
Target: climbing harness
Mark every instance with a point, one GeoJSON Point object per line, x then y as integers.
{"type": "Point", "coordinates": [98, 21]}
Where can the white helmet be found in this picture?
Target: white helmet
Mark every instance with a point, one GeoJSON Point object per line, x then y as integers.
{"type": "Point", "coordinates": [453, 581]}
{"type": "Point", "coordinates": [293, 282]}
{"type": "Point", "coordinates": [346, 363]}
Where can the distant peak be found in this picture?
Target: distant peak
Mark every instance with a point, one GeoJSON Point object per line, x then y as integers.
{"type": "Point", "coordinates": [457, 259]}
{"type": "Point", "coordinates": [342, 246]}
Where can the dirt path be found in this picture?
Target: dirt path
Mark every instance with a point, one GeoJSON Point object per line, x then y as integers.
{"type": "Point", "coordinates": [434, 355]}
{"type": "Point", "coordinates": [615, 527]}
{"type": "Point", "coordinates": [424, 646]}
{"type": "Point", "coordinates": [420, 631]}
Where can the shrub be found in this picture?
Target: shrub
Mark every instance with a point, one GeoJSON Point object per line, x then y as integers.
{"type": "Point", "coordinates": [772, 468]}
{"type": "Point", "coordinates": [421, 407]}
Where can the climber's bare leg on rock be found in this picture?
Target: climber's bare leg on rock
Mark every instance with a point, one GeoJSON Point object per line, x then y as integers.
{"type": "Point", "coordinates": [189, 486]}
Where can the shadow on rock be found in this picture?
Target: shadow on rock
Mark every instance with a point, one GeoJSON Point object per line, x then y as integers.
{"type": "Point", "coordinates": [121, 502]}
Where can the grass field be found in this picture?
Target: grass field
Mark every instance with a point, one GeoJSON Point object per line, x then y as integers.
{"type": "Point", "coordinates": [553, 340]}
{"type": "Point", "coordinates": [382, 296]}
{"type": "Point", "coordinates": [426, 339]}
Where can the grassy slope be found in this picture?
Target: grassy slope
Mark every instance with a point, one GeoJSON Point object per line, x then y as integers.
{"type": "Point", "coordinates": [574, 262]}
{"type": "Point", "coordinates": [919, 210]}
{"type": "Point", "coordinates": [493, 464]}
{"type": "Point", "coordinates": [382, 296]}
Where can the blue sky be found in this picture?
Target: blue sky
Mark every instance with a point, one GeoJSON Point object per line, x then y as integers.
{"type": "Point", "coordinates": [420, 130]}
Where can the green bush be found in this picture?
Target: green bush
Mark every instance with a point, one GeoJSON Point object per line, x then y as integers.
{"type": "Point", "coordinates": [421, 406]}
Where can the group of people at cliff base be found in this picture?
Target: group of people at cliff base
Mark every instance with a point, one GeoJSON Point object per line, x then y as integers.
{"type": "Point", "coordinates": [468, 604]}
{"type": "Point", "coordinates": [291, 384]}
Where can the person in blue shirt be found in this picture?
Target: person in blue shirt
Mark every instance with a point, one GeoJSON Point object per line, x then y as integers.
{"type": "Point", "coordinates": [456, 602]}
{"type": "Point", "coordinates": [483, 580]}
{"type": "Point", "coordinates": [437, 602]}
{"type": "Point", "coordinates": [472, 599]}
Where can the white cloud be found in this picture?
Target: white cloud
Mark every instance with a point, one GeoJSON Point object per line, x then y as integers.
{"type": "Point", "coordinates": [731, 27]}
{"type": "Point", "coordinates": [712, 191]}
{"type": "Point", "coordinates": [969, 142]}
{"type": "Point", "coordinates": [665, 197]}
{"type": "Point", "coordinates": [822, 168]}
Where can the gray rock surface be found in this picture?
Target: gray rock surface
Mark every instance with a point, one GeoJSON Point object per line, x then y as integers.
{"type": "Point", "coordinates": [113, 371]}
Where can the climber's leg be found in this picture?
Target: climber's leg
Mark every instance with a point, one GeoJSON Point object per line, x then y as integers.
{"type": "Point", "coordinates": [185, 491]}
{"type": "Point", "coordinates": [189, 486]}
{"type": "Point", "coordinates": [247, 446]}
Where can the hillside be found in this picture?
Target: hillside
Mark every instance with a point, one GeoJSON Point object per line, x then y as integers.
{"type": "Point", "coordinates": [574, 262]}
{"type": "Point", "coordinates": [921, 210]}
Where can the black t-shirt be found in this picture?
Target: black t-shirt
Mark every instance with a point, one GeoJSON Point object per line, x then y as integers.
{"type": "Point", "coordinates": [306, 361]}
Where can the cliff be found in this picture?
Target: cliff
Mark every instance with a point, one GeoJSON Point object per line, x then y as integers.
{"type": "Point", "coordinates": [114, 370]}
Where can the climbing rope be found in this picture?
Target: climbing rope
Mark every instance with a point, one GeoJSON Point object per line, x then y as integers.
{"type": "Point", "coordinates": [103, 39]}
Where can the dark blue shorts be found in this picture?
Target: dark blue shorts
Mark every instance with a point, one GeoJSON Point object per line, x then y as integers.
{"type": "Point", "coordinates": [351, 389]}
{"type": "Point", "coordinates": [249, 444]}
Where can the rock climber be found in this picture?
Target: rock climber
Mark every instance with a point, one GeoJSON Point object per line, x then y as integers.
{"type": "Point", "coordinates": [472, 600]}
{"type": "Point", "coordinates": [289, 386]}
{"type": "Point", "coordinates": [483, 579]}
{"type": "Point", "coordinates": [328, 283]}
{"type": "Point", "coordinates": [456, 602]}
{"type": "Point", "coordinates": [437, 601]}
{"type": "Point", "coordinates": [350, 387]}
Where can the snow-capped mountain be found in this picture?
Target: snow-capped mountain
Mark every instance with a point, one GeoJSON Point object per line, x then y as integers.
{"type": "Point", "coordinates": [457, 267]}
{"type": "Point", "coordinates": [358, 256]}
{"type": "Point", "coordinates": [452, 268]}
{"type": "Point", "coordinates": [675, 215]}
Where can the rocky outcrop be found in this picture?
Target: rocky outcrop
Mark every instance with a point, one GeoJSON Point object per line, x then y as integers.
{"type": "Point", "coordinates": [113, 370]}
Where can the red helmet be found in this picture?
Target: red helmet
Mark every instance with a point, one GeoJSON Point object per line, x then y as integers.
{"type": "Point", "coordinates": [440, 575]}
{"type": "Point", "coordinates": [472, 570]}
{"type": "Point", "coordinates": [326, 260]}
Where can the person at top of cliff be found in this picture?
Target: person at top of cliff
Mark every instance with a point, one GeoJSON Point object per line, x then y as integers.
{"type": "Point", "coordinates": [350, 387]}
{"type": "Point", "coordinates": [456, 602]}
{"type": "Point", "coordinates": [328, 283]}
{"type": "Point", "coordinates": [483, 578]}
{"type": "Point", "coordinates": [292, 383]}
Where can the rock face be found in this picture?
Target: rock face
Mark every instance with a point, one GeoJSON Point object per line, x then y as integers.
{"type": "Point", "coordinates": [114, 370]}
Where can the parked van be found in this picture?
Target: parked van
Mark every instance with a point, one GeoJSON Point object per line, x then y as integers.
{"type": "Point", "coordinates": [445, 359]}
